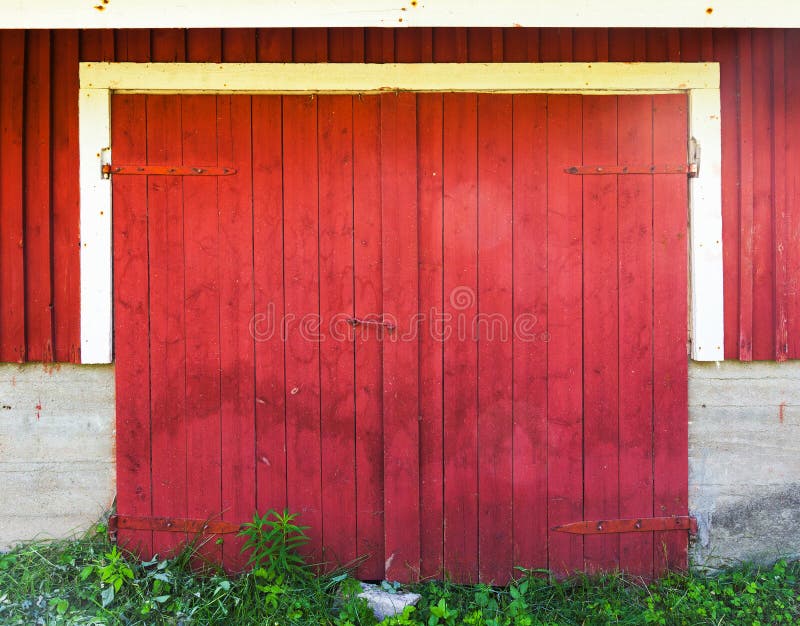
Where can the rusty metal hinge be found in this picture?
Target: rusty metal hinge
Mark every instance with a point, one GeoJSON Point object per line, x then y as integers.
{"type": "Point", "coordinates": [165, 170]}
{"type": "Point", "coordinates": [633, 525]}
{"type": "Point", "coordinates": [689, 169]}
{"type": "Point", "coordinates": [171, 524]}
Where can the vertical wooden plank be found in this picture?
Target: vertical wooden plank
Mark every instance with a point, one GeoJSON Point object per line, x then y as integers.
{"type": "Point", "coordinates": [274, 44]}
{"type": "Point", "coordinates": [564, 317]}
{"type": "Point", "coordinates": [132, 45]}
{"type": "Point", "coordinates": [65, 196]}
{"type": "Point", "coordinates": [556, 44]}
{"type": "Point", "coordinates": [430, 198]}
{"type": "Point", "coordinates": [479, 45]}
{"type": "Point", "coordinates": [657, 44]}
{"type": "Point", "coordinates": [521, 45]}
{"type": "Point", "coordinates": [12, 238]}
{"type": "Point", "coordinates": [367, 259]}
{"type": "Point", "coordinates": [267, 326]}
{"type": "Point", "coordinates": [600, 332]}
{"type": "Point", "coordinates": [529, 329]}
{"type": "Point", "coordinates": [673, 45]}
{"type": "Point", "coordinates": [168, 45]}
{"type": "Point", "coordinates": [379, 45]}
{"type": "Point", "coordinates": [235, 208]}
{"type": "Point", "coordinates": [707, 44]}
{"type": "Point", "coordinates": [400, 347]}
{"type": "Point", "coordinates": [670, 395]}
{"type": "Point", "coordinates": [495, 357]}
{"type": "Point", "coordinates": [38, 233]}
{"type": "Point", "coordinates": [460, 349]}
{"type": "Point", "coordinates": [746, 224]}
{"type": "Point", "coordinates": [585, 44]}
{"type": "Point", "coordinates": [301, 267]}
{"type": "Point", "coordinates": [131, 315]}
{"type": "Point", "coordinates": [763, 338]}
{"type": "Point", "coordinates": [793, 187]}
{"type": "Point", "coordinates": [635, 271]}
{"type": "Point", "coordinates": [627, 44]}
{"type": "Point", "coordinates": [165, 228]}
{"type": "Point", "coordinates": [450, 45]}
{"type": "Point", "coordinates": [690, 44]}
{"type": "Point", "coordinates": [239, 45]}
{"type": "Point", "coordinates": [780, 214]}
{"type": "Point", "coordinates": [202, 314]}
{"type": "Point", "coordinates": [335, 140]}
{"type": "Point", "coordinates": [97, 45]}
{"type": "Point", "coordinates": [310, 45]}
{"type": "Point", "coordinates": [346, 45]}
{"type": "Point", "coordinates": [408, 45]}
{"type": "Point", "coordinates": [204, 45]}
{"type": "Point", "coordinates": [725, 53]}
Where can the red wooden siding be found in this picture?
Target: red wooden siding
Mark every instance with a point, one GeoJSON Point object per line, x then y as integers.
{"type": "Point", "coordinates": [536, 375]}
{"type": "Point", "coordinates": [39, 221]}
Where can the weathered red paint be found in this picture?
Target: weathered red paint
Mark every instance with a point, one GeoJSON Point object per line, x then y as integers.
{"type": "Point", "coordinates": [376, 402]}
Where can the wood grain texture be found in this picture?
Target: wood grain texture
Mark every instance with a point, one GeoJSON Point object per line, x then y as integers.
{"type": "Point", "coordinates": [267, 325]}
{"type": "Point", "coordinates": [65, 200]}
{"type": "Point", "coordinates": [565, 330]}
{"type": "Point", "coordinates": [337, 351]}
{"type": "Point", "coordinates": [165, 227]}
{"type": "Point", "coordinates": [600, 332]}
{"type": "Point", "coordinates": [131, 319]}
{"type": "Point", "coordinates": [236, 308]}
{"type": "Point", "coordinates": [37, 181]}
{"type": "Point", "coordinates": [430, 194]}
{"type": "Point", "coordinates": [460, 349]}
{"type": "Point", "coordinates": [12, 237]}
{"type": "Point", "coordinates": [202, 315]}
{"type": "Point", "coordinates": [670, 376]}
{"type": "Point", "coordinates": [368, 274]}
{"type": "Point", "coordinates": [530, 331]}
{"type": "Point", "coordinates": [635, 279]}
{"type": "Point", "coordinates": [301, 267]}
{"type": "Point", "coordinates": [399, 243]}
{"type": "Point", "coordinates": [493, 335]}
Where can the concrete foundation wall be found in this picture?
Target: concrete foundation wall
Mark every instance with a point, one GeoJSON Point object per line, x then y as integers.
{"type": "Point", "coordinates": [56, 449]}
{"type": "Point", "coordinates": [744, 461]}
{"type": "Point", "coordinates": [57, 469]}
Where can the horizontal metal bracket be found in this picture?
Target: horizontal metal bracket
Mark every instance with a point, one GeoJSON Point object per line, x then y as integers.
{"type": "Point", "coordinates": [689, 169]}
{"type": "Point", "coordinates": [632, 525]}
{"type": "Point", "coordinates": [171, 524]}
{"type": "Point", "coordinates": [165, 170]}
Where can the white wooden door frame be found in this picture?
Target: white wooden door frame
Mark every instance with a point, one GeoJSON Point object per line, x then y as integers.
{"type": "Point", "coordinates": [700, 81]}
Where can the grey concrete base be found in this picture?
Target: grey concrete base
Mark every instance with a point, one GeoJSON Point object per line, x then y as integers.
{"type": "Point", "coordinates": [56, 449]}
{"type": "Point", "coordinates": [744, 461]}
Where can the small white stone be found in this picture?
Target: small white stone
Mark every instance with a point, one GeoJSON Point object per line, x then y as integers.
{"type": "Point", "coordinates": [385, 604]}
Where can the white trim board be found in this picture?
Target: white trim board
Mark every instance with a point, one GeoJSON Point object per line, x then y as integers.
{"type": "Point", "coordinates": [700, 81]}
{"type": "Point", "coordinates": [399, 13]}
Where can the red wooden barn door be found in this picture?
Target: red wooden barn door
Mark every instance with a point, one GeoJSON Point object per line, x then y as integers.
{"type": "Point", "coordinates": [414, 319]}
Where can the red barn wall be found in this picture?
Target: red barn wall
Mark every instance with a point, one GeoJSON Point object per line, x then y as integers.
{"type": "Point", "coordinates": [39, 194]}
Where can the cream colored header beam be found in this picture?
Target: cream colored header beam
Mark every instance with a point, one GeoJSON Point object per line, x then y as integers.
{"type": "Point", "coordinates": [398, 13]}
{"type": "Point", "coordinates": [298, 78]}
{"type": "Point", "coordinates": [700, 81]}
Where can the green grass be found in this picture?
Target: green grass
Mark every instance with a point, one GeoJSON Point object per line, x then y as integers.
{"type": "Point", "coordinates": [89, 582]}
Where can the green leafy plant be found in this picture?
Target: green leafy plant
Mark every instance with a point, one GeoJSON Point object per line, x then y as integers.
{"type": "Point", "coordinates": [273, 541]}
{"type": "Point", "coordinates": [113, 572]}
{"type": "Point", "coordinates": [440, 613]}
